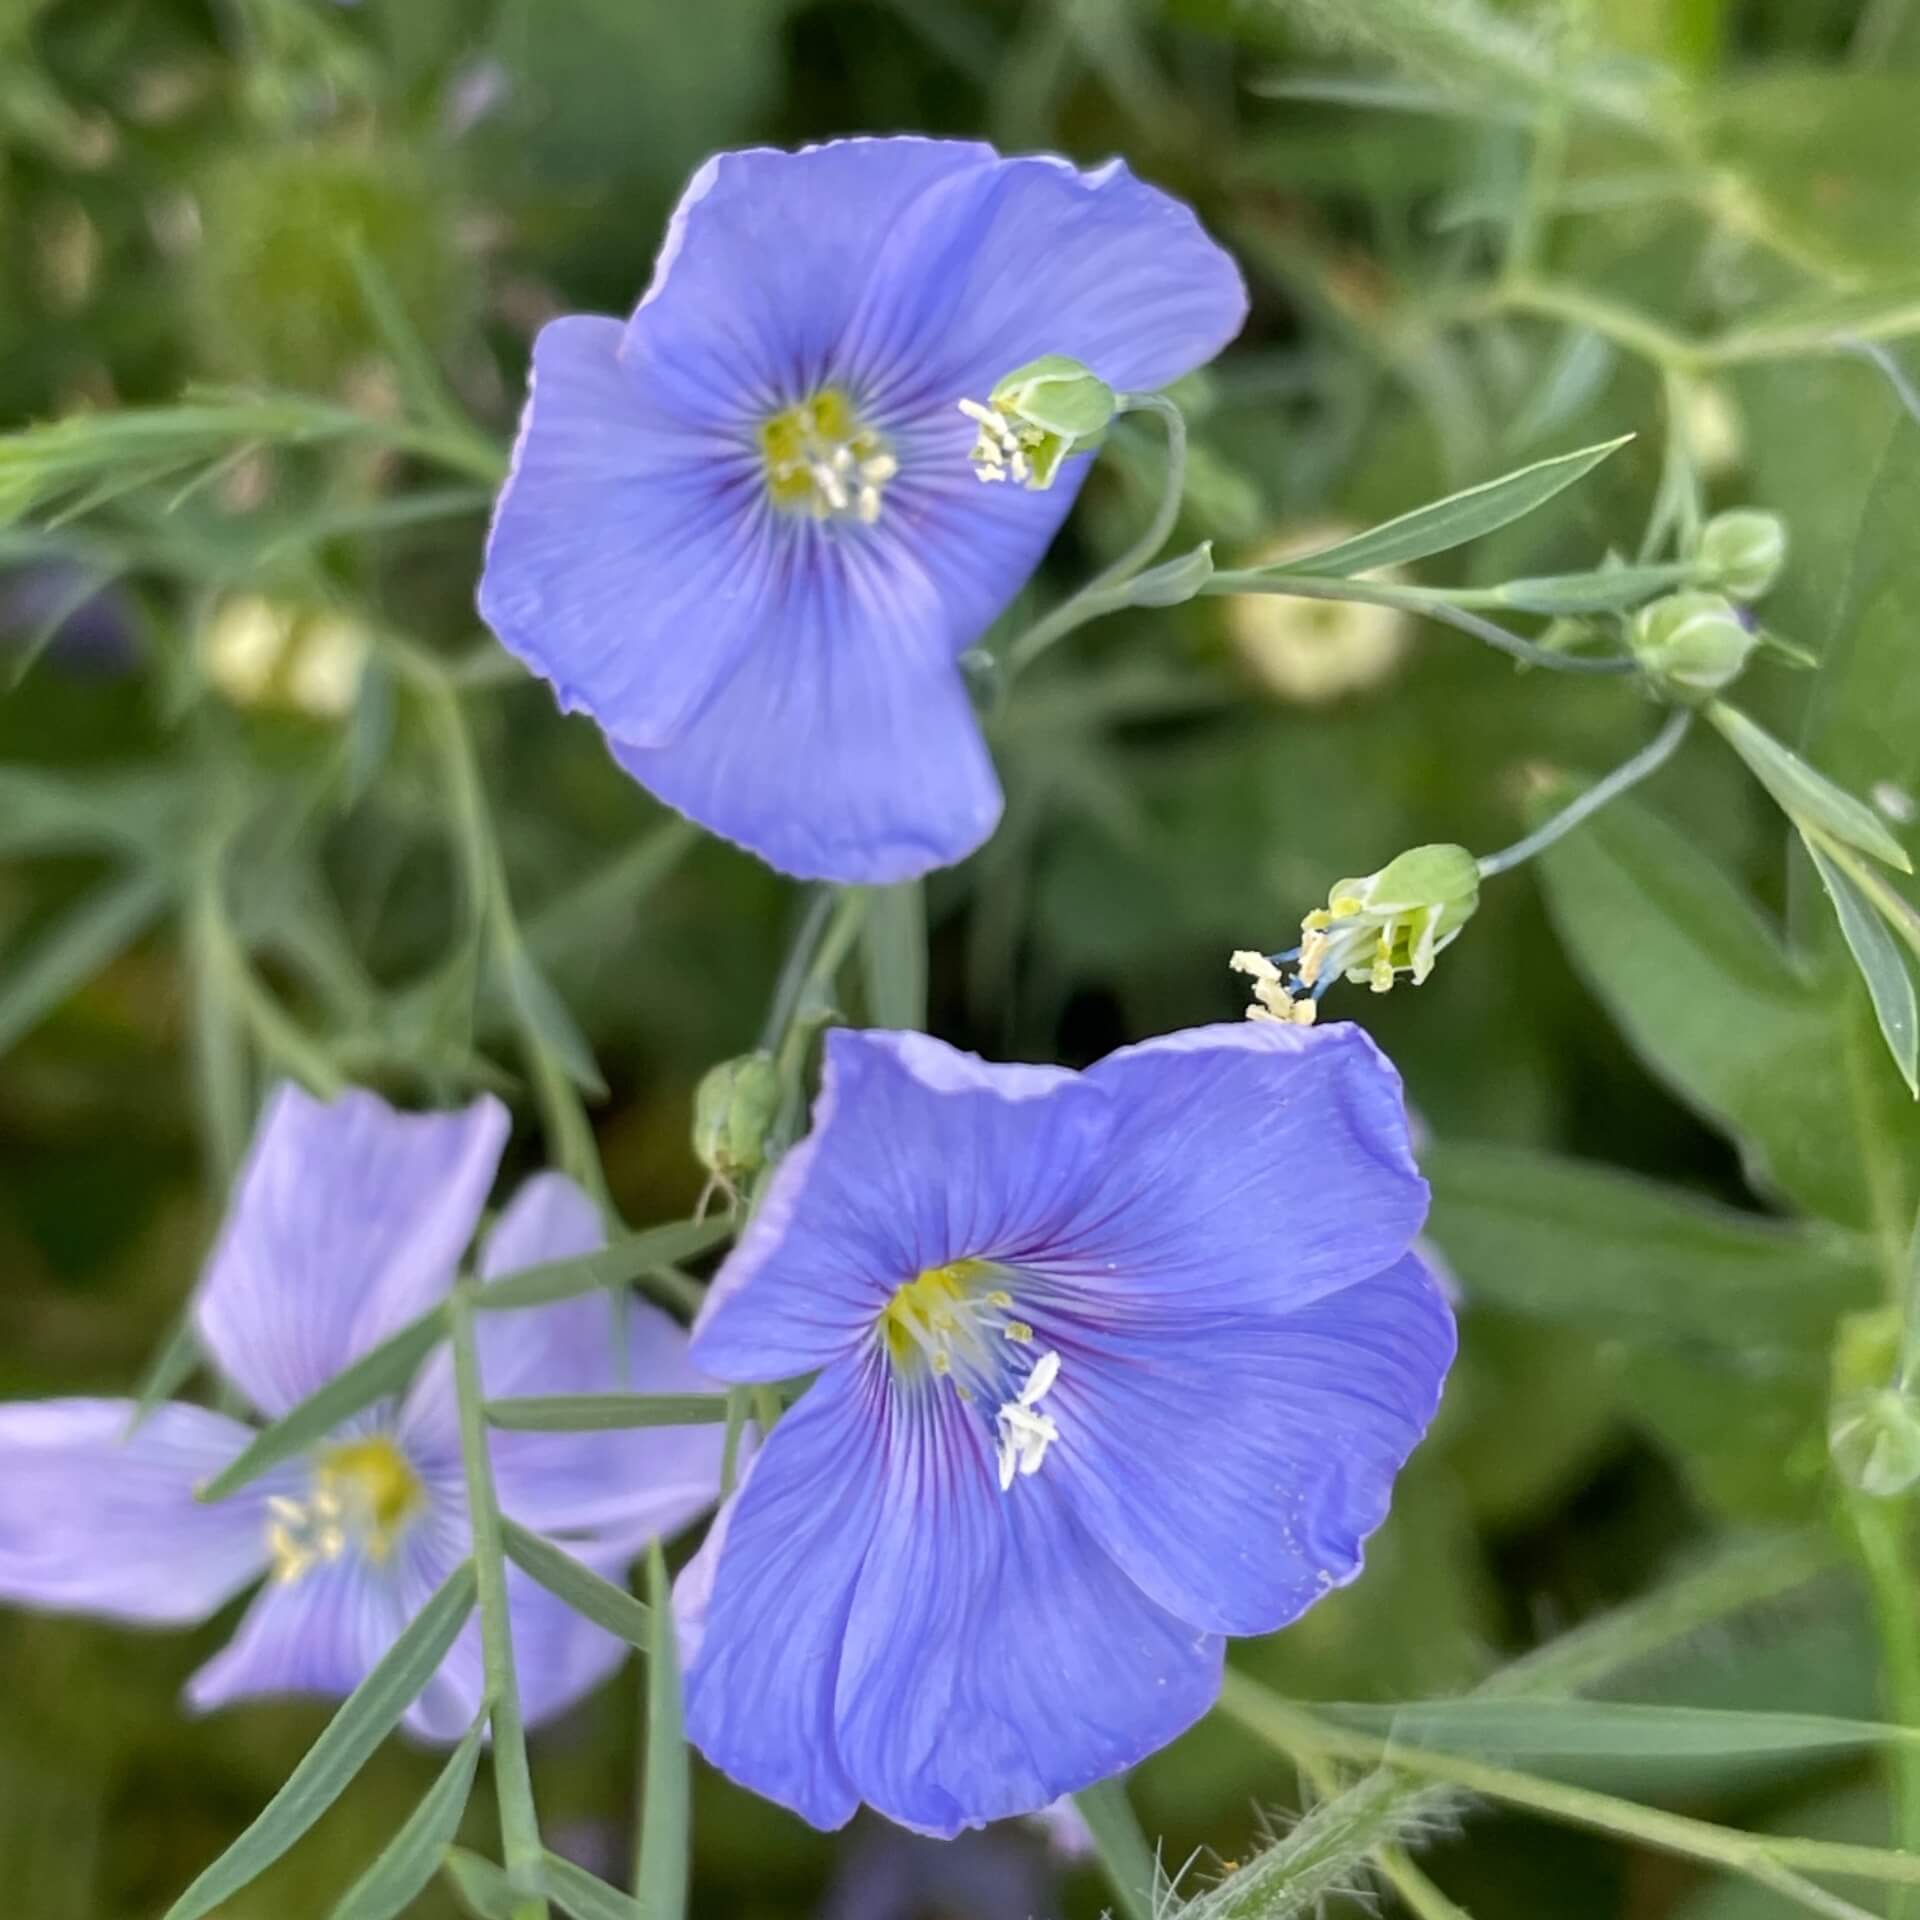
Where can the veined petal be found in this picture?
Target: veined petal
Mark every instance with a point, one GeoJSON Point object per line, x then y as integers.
{"type": "Point", "coordinates": [919, 1155]}
{"type": "Point", "coordinates": [1251, 1168]}
{"type": "Point", "coordinates": [995, 1657]}
{"type": "Point", "coordinates": [846, 747]}
{"type": "Point", "coordinates": [995, 266]}
{"type": "Point", "coordinates": [630, 561]}
{"type": "Point", "coordinates": [94, 1521]}
{"type": "Point", "coordinates": [625, 1488]}
{"type": "Point", "coordinates": [762, 1608]}
{"type": "Point", "coordinates": [765, 261]}
{"type": "Point", "coordinates": [1233, 1465]}
{"type": "Point", "coordinates": [347, 1221]}
{"type": "Point", "coordinates": [319, 1635]}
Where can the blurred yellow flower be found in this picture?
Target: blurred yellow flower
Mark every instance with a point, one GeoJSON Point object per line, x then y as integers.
{"type": "Point", "coordinates": [269, 653]}
{"type": "Point", "coordinates": [1314, 651]}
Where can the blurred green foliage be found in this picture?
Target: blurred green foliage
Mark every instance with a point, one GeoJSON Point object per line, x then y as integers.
{"type": "Point", "coordinates": [1669, 1154]}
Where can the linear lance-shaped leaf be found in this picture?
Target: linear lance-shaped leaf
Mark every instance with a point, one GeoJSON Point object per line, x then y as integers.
{"type": "Point", "coordinates": [372, 1711]}
{"type": "Point", "coordinates": [606, 1412]}
{"type": "Point", "coordinates": [375, 1375]}
{"type": "Point", "coordinates": [578, 1585]}
{"type": "Point", "coordinates": [412, 1857]}
{"type": "Point", "coordinates": [1458, 518]}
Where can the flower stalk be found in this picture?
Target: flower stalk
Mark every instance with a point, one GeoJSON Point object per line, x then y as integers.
{"type": "Point", "coordinates": [513, 1779]}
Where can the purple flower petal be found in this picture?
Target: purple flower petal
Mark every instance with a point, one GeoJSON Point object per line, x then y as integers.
{"type": "Point", "coordinates": [994, 1657]}
{"type": "Point", "coordinates": [624, 1488]}
{"type": "Point", "coordinates": [788, 680]}
{"type": "Point", "coordinates": [1251, 1168]}
{"type": "Point", "coordinates": [918, 1155]}
{"type": "Point", "coordinates": [1201, 1453]}
{"type": "Point", "coordinates": [995, 266]}
{"type": "Point", "coordinates": [826, 755]}
{"type": "Point", "coordinates": [319, 1635]}
{"type": "Point", "coordinates": [612, 621]}
{"type": "Point", "coordinates": [762, 1607]}
{"type": "Point", "coordinates": [95, 1522]}
{"type": "Point", "coordinates": [348, 1220]}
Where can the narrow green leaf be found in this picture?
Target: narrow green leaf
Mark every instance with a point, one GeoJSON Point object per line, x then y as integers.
{"type": "Point", "coordinates": [1889, 984]}
{"type": "Point", "coordinates": [1173, 582]}
{"type": "Point", "coordinates": [1524, 1729]}
{"type": "Point", "coordinates": [589, 915]}
{"type": "Point", "coordinates": [1585, 1245]}
{"type": "Point", "coordinates": [893, 956]}
{"type": "Point", "coordinates": [549, 1019]}
{"type": "Point", "coordinates": [77, 947]}
{"type": "Point", "coordinates": [135, 810]}
{"type": "Point", "coordinates": [605, 1412]}
{"type": "Point", "coordinates": [411, 1858]}
{"type": "Point", "coordinates": [372, 1377]}
{"type": "Point", "coordinates": [1130, 1865]}
{"type": "Point", "coordinates": [1605, 590]}
{"type": "Point", "coordinates": [578, 1585]}
{"type": "Point", "coordinates": [484, 1890]}
{"type": "Point", "coordinates": [614, 1266]}
{"type": "Point", "coordinates": [1455, 520]}
{"type": "Point", "coordinates": [1707, 996]}
{"type": "Point", "coordinates": [1804, 794]}
{"type": "Point", "coordinates": [170, 1368]}
{"type": "Point", "coordinates": [661, 1882]}
{"type": "Point", "coordinates": [371, 1712]}
{"type": "Point", "coordinates": [585, 1895]}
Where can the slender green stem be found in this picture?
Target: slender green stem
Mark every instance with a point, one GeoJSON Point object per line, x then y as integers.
{"type": "Point", "coordinates": [1653, 756]}
{"type": "Point", "coordinates": [569, 1135]}
{"type": "Point", "coordinates": [1881, 1533]}
{"type": "Point", "coordinates": [1771, 1859]}
{"type": "Point", "coordinates": [1104, 593]}
{"type": "Point", "coordinates": [1437, 603]}
{"type": "Point", "coordinates": [794, 969]}
{"type": "Point", "coordinates": [513, 1780]}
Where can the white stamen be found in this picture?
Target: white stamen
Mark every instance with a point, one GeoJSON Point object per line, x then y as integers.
{"type": "Point", "coordinates": [1024, 1432]}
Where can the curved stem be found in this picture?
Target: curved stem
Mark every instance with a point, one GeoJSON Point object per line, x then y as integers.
{"type": "Point", "coordinates": [1654, 755]}
{"type": "Point", "coordinates": [513, 1780]}
{"type": "Point", "coordinates": [1101, 594]}
{"type": "Point", "coordinates": [1426, 600]}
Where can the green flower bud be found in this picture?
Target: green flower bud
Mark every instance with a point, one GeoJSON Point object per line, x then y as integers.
{"type": "Point", "coordinates": [1393, 922]}
{"type": "Point", "coordinates": [734, 1109]}
{"type": "Point", "coordinates": [1874, 1438]}
{"type": "Point", "coordinates": [1743, 551]}
{"type": "Point", "coordinates": [1691, 644]}
{"type": "Point", "coordinates": [1035, 417]}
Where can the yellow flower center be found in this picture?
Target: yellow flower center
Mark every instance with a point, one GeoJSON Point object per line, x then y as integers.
{"type": "Point", "coordinates": [364, 1494]}
{"type": "Point", "coordinates": [821, 460]}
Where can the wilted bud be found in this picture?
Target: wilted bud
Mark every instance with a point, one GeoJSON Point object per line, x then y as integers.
{"type": "Point", "coordinates": [734, 1109]}
{"type": "Point", "coordinates": [266, 653]}
{"type": "Point", "coordinates": [1874, 1438]}
{"type": "Point", "coordinates": [1035, 417]}
{"type": "Point", "coordinates": [1743, 551]}
{"type": "Point", "coordinates": [1691, 644]}
{"type": "Point", "coordinates": [1397, 921]}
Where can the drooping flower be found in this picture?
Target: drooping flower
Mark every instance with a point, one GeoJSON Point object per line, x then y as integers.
{"type": "Point", "coordinates": [1110, 1365]}
{"type": "Point", "coordinates": [348, 1221]}
{"type": "Point", "coordinates": [741, 529]}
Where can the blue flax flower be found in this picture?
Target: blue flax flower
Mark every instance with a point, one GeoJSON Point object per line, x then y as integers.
{"type": "Point", "coordinates": [1110, 1365]}
{"type": "Point", "coordinates": [741, 529]}
{"type": "Point", "coordinates": [348, 1221]}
